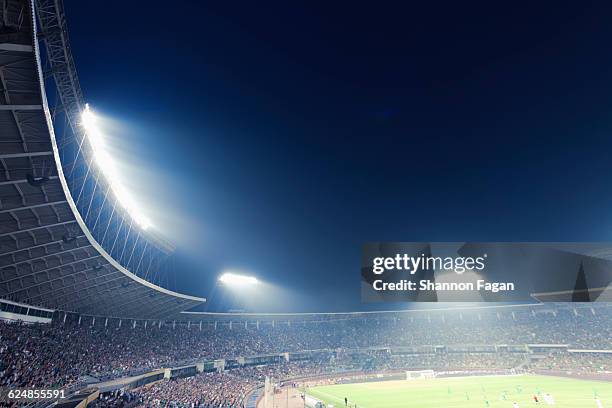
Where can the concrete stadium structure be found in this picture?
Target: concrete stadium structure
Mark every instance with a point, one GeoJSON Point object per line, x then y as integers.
{"type": "Point", "coordinates": [65, 242]}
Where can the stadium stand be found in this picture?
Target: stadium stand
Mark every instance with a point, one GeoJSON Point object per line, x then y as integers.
{"type": "Point", "coordinates": [65, 353]}
{"type": "Point", "coordinates": [54, 252]}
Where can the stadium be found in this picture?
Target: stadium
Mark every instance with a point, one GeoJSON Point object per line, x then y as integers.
{"type": "Point", "coordinates": [87, 318]}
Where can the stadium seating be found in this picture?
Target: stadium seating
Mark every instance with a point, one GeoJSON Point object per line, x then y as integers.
{"type": "Point", "coordinates": [59, 354]}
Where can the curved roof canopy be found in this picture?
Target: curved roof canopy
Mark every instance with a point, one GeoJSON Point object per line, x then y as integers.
{"type": "Point", "coordinates": [48, 257]}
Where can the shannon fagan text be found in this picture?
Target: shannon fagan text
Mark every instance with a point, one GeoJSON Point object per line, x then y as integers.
{"type": "Point", "coordinates": [425, 284]}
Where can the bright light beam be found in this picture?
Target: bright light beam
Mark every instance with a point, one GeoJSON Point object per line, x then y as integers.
{"type": "Point", "coordinates": [233, 279]}
{"type": "Point", "coordinates": [107, 167]}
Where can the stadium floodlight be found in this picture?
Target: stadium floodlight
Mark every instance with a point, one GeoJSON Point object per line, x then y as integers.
{"type": "Point", "coordinates": [107, 166]}
{"type": "Point", "coordinates": [233, 279]}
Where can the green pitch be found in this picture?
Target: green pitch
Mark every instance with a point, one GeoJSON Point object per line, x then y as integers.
{"type": "Point", "coordinates": [467, 392]}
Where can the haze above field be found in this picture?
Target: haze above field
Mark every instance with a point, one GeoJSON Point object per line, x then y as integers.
{"type": "Point", "coordinates": [277, 138]}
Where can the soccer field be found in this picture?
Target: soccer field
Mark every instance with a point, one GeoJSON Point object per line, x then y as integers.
{"type": "Point", "coordinates": [467, 392]}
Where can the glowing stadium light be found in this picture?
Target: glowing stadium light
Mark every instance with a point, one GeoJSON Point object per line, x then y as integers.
{"type": "Point", "coordinates": [107, 167]}
{"type": "Point", "coordinates": [237, 280]}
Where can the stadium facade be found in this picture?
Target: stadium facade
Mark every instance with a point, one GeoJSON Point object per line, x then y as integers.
{"type": "Point", "coordinates": [67, 242]}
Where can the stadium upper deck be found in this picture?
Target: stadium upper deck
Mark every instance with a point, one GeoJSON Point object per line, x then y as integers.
{"type": "Point", "coordinates": [53, 253]}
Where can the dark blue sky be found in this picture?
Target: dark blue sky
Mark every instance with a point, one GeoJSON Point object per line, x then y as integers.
{"type": "Point", "coordinates": [278, 137]}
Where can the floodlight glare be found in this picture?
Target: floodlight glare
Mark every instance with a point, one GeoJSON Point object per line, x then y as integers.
{"type": "Point", "coordinates": [107, 167]}
{"type": "Point", "coordinates": [234, 279]}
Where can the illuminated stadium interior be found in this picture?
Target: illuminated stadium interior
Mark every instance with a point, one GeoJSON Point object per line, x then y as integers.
{"type": "Point", "coordinates": [86, 309]}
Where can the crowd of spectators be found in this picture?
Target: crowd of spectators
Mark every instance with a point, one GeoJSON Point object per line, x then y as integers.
{"type": "Point", "coordinates": [382, 360]}
{"type": "Point", "coordinates": [576, 362]}
{"type": "Point", "coordinates": [58, 354]}
{"type": "Point", "coordinates": [117, 399]}
{"type": "Point", "coordinates": [224, 389]}
{"type": "Point", "coordinates": [208, 390]}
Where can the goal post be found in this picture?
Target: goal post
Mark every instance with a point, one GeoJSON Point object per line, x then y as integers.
{"type": "Point", "coordinates": [420, 374]}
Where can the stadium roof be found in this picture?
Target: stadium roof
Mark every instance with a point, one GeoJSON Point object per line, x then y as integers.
{"type": "Point", "coordinates": [582, 295]}
{"type": "Point", "coordinates": [48, 257]}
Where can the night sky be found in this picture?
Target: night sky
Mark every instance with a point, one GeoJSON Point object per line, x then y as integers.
{"type": "Point", "coordinates": [276, 138]}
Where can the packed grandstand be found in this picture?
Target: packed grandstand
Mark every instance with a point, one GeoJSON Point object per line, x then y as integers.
{"type": "Point", "coordinates": [79, 351]}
